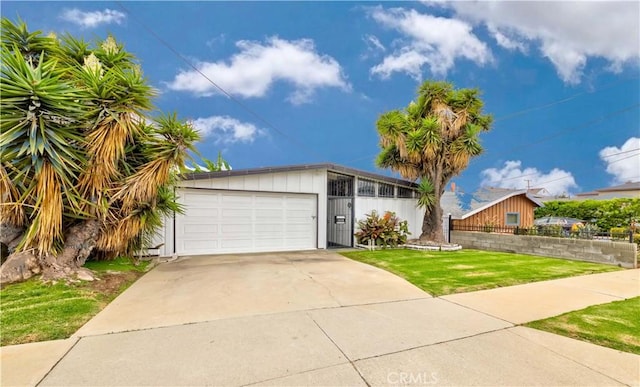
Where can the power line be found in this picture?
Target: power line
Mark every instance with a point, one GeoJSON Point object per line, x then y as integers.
{"type": "Point", "coordinates": [555, 134]}
{"type": "Point", "coordinates": [624, 158]}
{"type": "Point", "coordinates": [574, 128]}
{"type": "Point", "coordinates": [561, 101]}
{"type": "Point", "coordinates": [540, 107]}
{"type": "Point", "coordinates": [620, 153]}
{"type": "Point", "coordinates": [222, 90]}
{"type": "Point", "coordinates": [577, 163]}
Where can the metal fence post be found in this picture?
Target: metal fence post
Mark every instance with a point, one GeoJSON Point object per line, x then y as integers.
{"type": "Point", "coordinates": [450, 228]}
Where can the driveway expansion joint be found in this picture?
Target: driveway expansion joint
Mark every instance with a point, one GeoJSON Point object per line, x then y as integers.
{"type": "Point", "coordinates": [351, 362]}
{"type": "Point", "coordinates": [77, 340]}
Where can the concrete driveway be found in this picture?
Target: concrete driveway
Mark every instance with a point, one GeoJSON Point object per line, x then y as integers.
{"type": "Point", "coordinates": [305, 318]}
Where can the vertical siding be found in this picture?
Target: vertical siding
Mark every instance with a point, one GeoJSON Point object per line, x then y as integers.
{"type": "Point", "coordinates": [294, 182]}
{"type": "Point", "coordinates": [497, 213]}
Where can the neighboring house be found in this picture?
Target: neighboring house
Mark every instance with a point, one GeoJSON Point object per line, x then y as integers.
{"type": "Point", "coordinates": [510, 209]}
{"type": "Point", "coordinates": [626, 190]}
{"type": "Point", "coordinates": [450, 203]}
{"type": "Point", "coordinates": [281, 208]}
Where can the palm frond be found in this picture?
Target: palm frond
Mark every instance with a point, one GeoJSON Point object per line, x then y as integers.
{"type": "Point", "coordinates": [11, 209]}
{"type": "Point", "coordinates": [426, 194]}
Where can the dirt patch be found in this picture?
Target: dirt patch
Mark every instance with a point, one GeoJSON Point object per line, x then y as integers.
{"type": "Point", "coordinates": [112, 283]}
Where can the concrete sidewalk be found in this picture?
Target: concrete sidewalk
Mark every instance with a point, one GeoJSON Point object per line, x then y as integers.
{"type": "Point", "coordinates": [534, 301]}
{"type": "Point", "coordinates": [317, 318]}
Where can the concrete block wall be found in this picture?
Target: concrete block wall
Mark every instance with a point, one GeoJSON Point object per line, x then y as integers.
{"type": "Point", "coordinates": [623, 254]}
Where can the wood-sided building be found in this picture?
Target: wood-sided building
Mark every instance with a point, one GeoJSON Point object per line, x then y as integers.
{"type": "Point", "coordinates": [514, 209]}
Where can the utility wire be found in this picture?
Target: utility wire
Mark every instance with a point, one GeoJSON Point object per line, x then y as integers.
{"type": "Point", "coordinates": [561, 101]}
{"type": "Point", "coordinates": [554, 135]}
{"type": "Point", "coordinates": [220, 88]}
{"type": "Point", "coordinates": [573, 128]}
{"type": "Point", "coordinates": [577, 163]}
{"type": "Point", "coordinates": [299, 143]}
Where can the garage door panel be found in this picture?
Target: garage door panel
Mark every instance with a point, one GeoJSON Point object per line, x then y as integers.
{"type": "Point", "coordinates": [202, 244]}
{"type": "Point", "coordinates": [268, 214]}
{"type": "Point", "coordinates": [235, 244]}
{"type": "Point", "coordinates": [202, 200]}
{"type": "Point", "coordinates": [218, 221]}
{"type": "Point", "coordinates": [271, 229]}
{"type": "Point", "coordinates": [236, 198]}
{"type": "Point", "coordinates": [233, 229]}
{"type": "Point", "coordinates": [269, 201]}
{"type": "Point", "coordinates": [272, 244]}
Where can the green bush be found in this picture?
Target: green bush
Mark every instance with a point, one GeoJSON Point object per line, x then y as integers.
{"type": "Point", "coordinates": [619, 233]}
{"type": "Point", "coordinates": [553, 230]}
{"type": "Point", "coordinates": [606, 214]}
{"type": "Point", "coordinates": [386, 230]}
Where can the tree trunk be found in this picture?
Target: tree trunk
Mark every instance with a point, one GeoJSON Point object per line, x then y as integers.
{"type": "Point", "coordinates": [79, 241]}
{"type": "Point", "coordinates": [10, 235]}
{"type": "Point", "coordinates": [432, 224]}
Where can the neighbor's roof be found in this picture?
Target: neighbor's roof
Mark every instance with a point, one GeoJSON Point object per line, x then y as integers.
{"type": "Point", "coordinates": [628, 186]}
{"type": "Point", "coordinates": [500, 199]}
{"type": "Point", "coordinates": [301, 167]}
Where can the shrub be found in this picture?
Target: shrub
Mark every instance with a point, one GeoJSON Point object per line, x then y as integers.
{"type": "Point", "coordinates": [605, 214]}
{"type": "Point", "coordinates": [386, 230]}
{"type": "Point", "coordinates": [622, 234]}
{"type": "Point", "coordinates": [551, 230]}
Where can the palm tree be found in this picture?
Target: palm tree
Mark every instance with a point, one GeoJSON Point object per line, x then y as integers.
{"type": "Point", "coordinates": [433, 139]}
{"type": "Point", "coordinates": [84, 171]}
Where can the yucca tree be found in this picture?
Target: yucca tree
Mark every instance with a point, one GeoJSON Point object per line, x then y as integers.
{"type": "Point", "coordinates": [85, 171]}
{"type": "Point", "coordinates": [433, 140]}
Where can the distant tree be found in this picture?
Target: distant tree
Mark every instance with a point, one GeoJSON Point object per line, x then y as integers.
{"type": "Point", "coordinates": [85, 171]}
{"type": "Point", "coordinates": [433, 139]}
{"type": "Point", "coordinates": [606, 214]}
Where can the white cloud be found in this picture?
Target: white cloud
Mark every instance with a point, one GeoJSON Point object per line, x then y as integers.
{"type": "Point", "coordinates": [92, 19]}
{"type": "Point", "coordinates": [427, 40]}
{"type": "Point", "coordinates": [566, 32]}
{"type": "Point", "coordinates": [624, 162]}
{"type": "Point", "coordinates": [226, 129]}
{"type": "Point", "coordinates": [512, 175]}
{"type": "Point", "coordinates": [510, 43]}
{"type": "Point", "coordinates": [252, 71]}
{"type": "Point", "coordinates": [374, 43]}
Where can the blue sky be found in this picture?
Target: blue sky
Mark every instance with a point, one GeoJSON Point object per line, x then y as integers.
{"type": "Point", "coordinates": [308, 80]}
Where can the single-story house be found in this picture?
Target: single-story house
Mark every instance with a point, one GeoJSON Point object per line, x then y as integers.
{"type": "Point", "coordinates": [630, 189]}
{"type": "Point", "coordinates": [313, 206]}
{"type": "Point", "coordinates": [511, 209]}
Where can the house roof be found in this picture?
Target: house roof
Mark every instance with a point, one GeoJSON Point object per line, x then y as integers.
{"type": "Point", "coordinates": [628, 186]}
{"type": "Point", "coordinates": [500, 199]}
{"type": "Point", "coordinates": [299, 167]}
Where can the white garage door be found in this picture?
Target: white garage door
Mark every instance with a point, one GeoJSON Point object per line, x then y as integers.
{"type": "Point", "coordinates": [242, 222]}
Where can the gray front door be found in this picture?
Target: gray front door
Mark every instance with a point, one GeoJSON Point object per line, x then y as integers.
{"type": "Point", "coordinates": [340, 222]}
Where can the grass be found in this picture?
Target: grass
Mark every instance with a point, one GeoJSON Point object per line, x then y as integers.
{"type": "Point", "coordinates": [34, 311]}
{"type": "Point", "coordinates": [615, 325]}
{"type": "Point", "coordinates": [441, 273]}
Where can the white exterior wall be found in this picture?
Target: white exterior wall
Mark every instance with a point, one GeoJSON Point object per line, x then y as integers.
{"type": "Point", "coordinates": [405, 209]}
{"type": "Point", "coordinates": [312, 181]}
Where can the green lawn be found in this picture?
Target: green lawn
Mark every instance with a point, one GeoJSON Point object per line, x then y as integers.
{"type": "Point", "coordinates": [440, 273]}
{"type": "Point", "coordinates": [615, 325]}
{"type": "Point", "coordinates": [33, 311]}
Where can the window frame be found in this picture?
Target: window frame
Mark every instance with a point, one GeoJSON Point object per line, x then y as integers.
{"type": "Point", "coordinates": [506, 219]}
{"type": "Point", "coordinates": [382, 186]}
{"type": "Point", "coordinates": [370, 186]}
{"type": "Point", "coordinates": [411, 191]}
